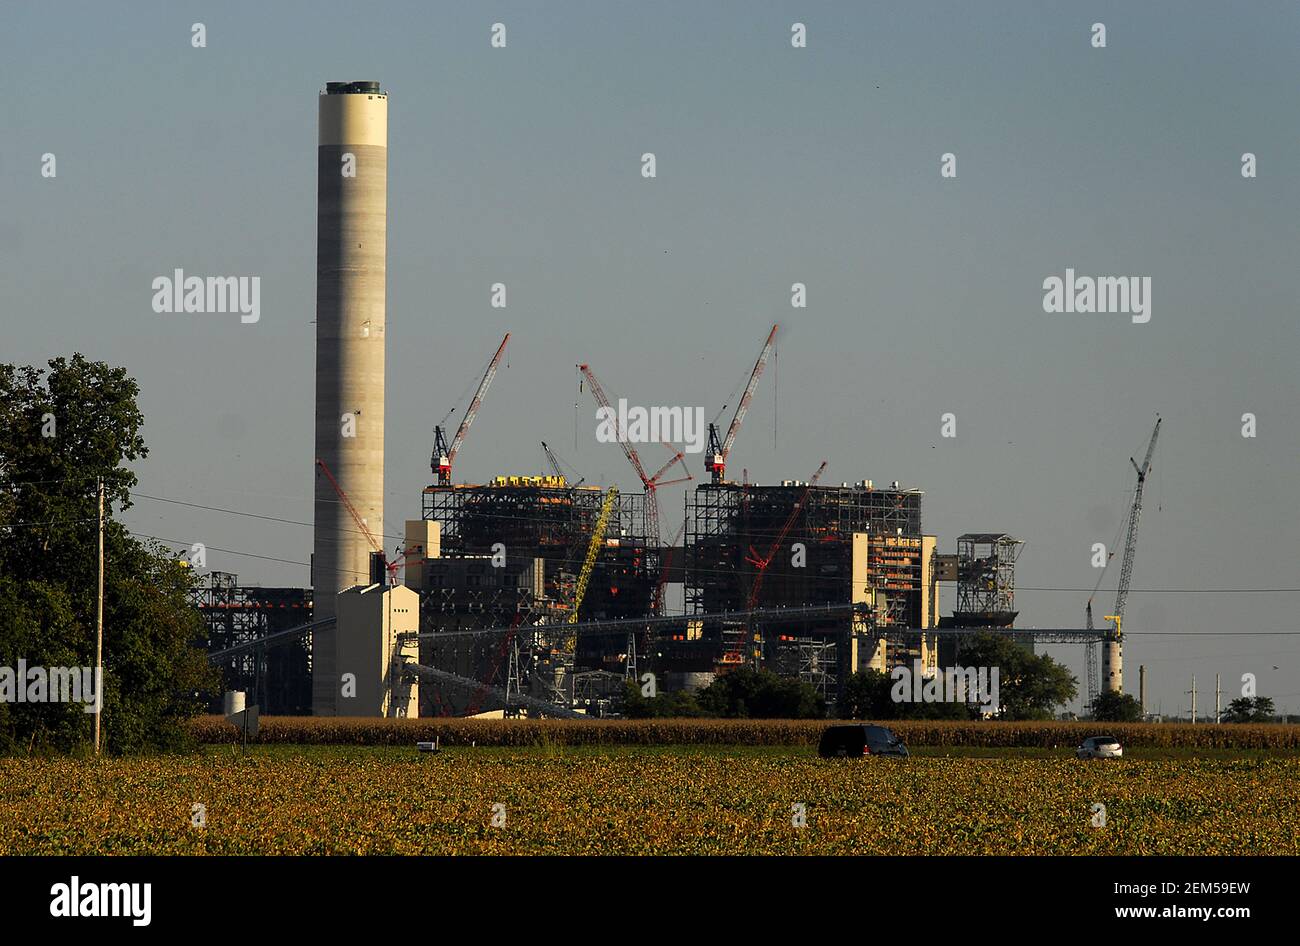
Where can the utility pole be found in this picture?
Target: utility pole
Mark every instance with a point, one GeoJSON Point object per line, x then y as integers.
{"type": "Point", "coordinates": [1217, 694]}
{"type": "Point", "coordinates": [1193, 692]}
{"type": "Point", "coordinates": [99, 620]}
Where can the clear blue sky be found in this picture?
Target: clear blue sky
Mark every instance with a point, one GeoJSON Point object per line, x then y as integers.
{"type": "Point", "coordinates": [775, 165]}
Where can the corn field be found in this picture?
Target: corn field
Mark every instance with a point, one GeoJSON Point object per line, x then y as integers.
{"type": "Point", "coordinates": [523, 732]}
{"type": "Point", "coordinates": [341, 800]}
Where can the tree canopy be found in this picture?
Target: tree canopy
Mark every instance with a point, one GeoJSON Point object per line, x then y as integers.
{"type": "Point", "coordinates": [744, 693]}
{"type": "Point", "coordinates": [1249, 709]}
{"type": "Point", "coordinates": [1030, 685]}
{"type": "Point", "coordinates": [1115, 707]}
{"type": "Point", "coordinates": [868, 695]}
{"type": "Point", "coordinates": [61, 430]}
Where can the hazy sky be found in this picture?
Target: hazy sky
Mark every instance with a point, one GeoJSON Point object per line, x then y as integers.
{"type": "Point", "coordinates": [775, 165]}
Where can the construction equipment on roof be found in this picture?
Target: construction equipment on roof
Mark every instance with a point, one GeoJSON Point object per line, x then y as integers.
{"type": "Point", "coordinates": [719, 449]}
{"type": "Point", "coordinates": [554, 462]}
{"type": "Point", "coordinates": [443, 454]}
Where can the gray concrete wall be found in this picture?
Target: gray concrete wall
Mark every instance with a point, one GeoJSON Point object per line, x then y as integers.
{"type": "Point", "coordinates": [351, 248]}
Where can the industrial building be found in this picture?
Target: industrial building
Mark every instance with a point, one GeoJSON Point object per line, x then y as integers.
{"type": "Point", "coordinates": [511, 552]}
{"type": "Point", "coordinates": [984, 570]}
{"type": "Point", "coordinates": [538, 593]}
{"type": "Point", "coordinates": [278, 678]}
{"type": "Point", "coordinates": [750, 546]}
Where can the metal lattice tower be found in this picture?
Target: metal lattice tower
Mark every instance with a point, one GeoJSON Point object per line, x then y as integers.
{"type": "Point", "coordinates": [278, 679]}
{"type": "Point", "coordinates": [986, 573]}
{"type": "Point", "coordinates": [1094, 687]}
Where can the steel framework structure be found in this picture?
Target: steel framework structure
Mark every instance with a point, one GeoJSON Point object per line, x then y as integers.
{"type": "Point", "coordinates": [554, 522]}
{"type": "Point", "coordinates": [728, 523]}
{"type": "Point", "coordinates": [986, 575]}
{"type": "Point", "coordinates": [279, 681]}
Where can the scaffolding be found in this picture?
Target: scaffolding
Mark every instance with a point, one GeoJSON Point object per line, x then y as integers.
{"type": "Point", "coordinates": [543, 517]}
{"type": "Point", "coordinates": [814, 660]}
{"type": "Point", "coordinates": [727, 523]}
{"type": "Point", "coordinates": [731, 528]}
{"type": "Point", "coordinates": [986, 579]}
{"type": "Point", "coordinates": [277, 679]}
{"type": "Point", "coordinates": [544, 524]}
{"type": "Point", "coordinates": [834, 534]}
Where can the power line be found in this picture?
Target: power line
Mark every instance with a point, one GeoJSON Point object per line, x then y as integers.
{"type": "Point", "coordinates": [757, 533]}
{"type": "Point", "coordinates": [297, 522]}
{"type": "Point", "coordinates": [1176, 591]}
{"type": "Point", "coordinates": [213, 548]}
{"type": "Point", "coordinates": [250, 515]}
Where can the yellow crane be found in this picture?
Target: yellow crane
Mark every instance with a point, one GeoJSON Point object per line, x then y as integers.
{"type": "Point", "coordinates": [593, 549]}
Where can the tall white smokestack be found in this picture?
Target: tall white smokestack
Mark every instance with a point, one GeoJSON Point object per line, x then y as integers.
{"type": "Point", "coordinates": [351, 246]}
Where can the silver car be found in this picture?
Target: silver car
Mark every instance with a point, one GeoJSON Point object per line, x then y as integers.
{"type": "Point", "coordinates": [1100, 747]}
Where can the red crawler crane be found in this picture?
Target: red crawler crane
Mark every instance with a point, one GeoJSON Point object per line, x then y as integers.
{"type": "Point", "coordinates": [735, 653]}
{"type": "Point", "coordinates": [391, 567]}
{"type": "Point", "coordinates": [650, 482]}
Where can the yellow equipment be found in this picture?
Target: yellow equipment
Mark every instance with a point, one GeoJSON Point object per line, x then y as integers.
{"type": "Point", "coordinates": [593, 549]}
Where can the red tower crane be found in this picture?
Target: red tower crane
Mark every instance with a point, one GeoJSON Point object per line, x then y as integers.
{"type": "Point", "coordinates": [735, 653]}
{"type": "Point", "coordinates": [443, 455]}
{"type": "Point", "coordinates": [650, 482]}
{"type": "Point", "coordinates": [716, 459]}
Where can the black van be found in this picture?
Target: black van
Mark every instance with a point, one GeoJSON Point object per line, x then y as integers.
{"type": "Point", "coordinates": [860, 740]}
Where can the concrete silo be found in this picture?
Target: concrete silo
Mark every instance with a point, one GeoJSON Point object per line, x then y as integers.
{"type": "Point", "coordinates": [351, 246]}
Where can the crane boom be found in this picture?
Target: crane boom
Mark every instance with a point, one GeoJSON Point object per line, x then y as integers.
{"type": "Point", "coordinates": [734, 654]}
{"type": "Point", "coordinates": [1126, 568]}
{"type": "Point", "coordinates": [593, 549]}
{"type": "Point", "coordinates": [602, 399]}
{"type": "Point", "coordinates": [556, 464]}
{"type": "Point", "coordinates": [552, 459]}
{"type": "Point", "coordinates": [472, 411]}
{"type": "Point", "coordinates": [719, 451]}
{"type": "Point", "coordinates": [651, 483]}
{"type": "Point", "coordinates": [443, 455]}
{"type": "Point", "coordinates": [1135, 513]}
{"type": "Point", "coordinates": [375, 547]}
{"type": "Point", "coordinates": [347, 504]}
{"type": "Point", "coordinates": [766, 560]}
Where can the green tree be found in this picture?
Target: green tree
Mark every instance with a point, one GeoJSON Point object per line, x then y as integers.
{"type": "Point", "coordinates": [1249, 709]}
{"type": "Point", "coordinates": [1030, 685]}
{"type": "Point", "coordinates": [1115, 707]}
{"type": "Point", "coordinates": [869, 694]}
{"type": "Point", "coordinates": [60, 430]}
{"type": "Point", "coordinates": [746, 693]}
{"type": "Point", "coordinates": [675, 705]}
{"type": "Point", "coordinates": [866, 696]}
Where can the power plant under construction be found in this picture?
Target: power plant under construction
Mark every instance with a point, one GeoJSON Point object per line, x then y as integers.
{"type": "Point", "coordinates": [537, 594]}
